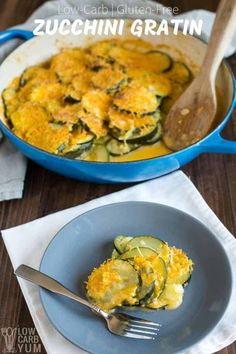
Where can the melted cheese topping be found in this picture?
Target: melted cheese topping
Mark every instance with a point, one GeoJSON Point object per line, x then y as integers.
{"type": "Point", "coordinates": [136, 101]}
{"type": "Point", "coordinates": [96, 102]}
{"type": "Point", "coordinates": [108, 79]}
{"type": "Point", "coordinates": [94, 123]}
{"type": "Point", "coordinates": [119, 85]}
{"type": "Point", "coordinates": [126, 122]}
{"type": "Point", "coordinates": [162, 278]}
{"type": "Point", "coordinates": [145, 152]}
{"type": "Point", "coordinates": [69, 63]}
{"type": "Point", "coordinates": [35, 133]}
{"type": "Point", "coordinates": [110, 285]}
{"type": "Point", "coordinates": [180, 264]}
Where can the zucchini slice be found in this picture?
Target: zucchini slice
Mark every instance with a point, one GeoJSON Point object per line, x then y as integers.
{"type": "Point", "coordinates": [157, 136]}
{"type": "Point", "coordinates": [79, 140]}
{"type": "Point", "coordinates": [133, 101]}
{"type": "Point", "coordinates": [77, 152]}
{"type": "Point", "coordinates": [147, 276]}
{"type": "Point", "coordinates": [10, 102]}
{"type": "Point", "coordinates": [180, 267]}
{"type": "Point", "coordinates": [145, 293]}
{"type": "Point", "coordinates": [109, 79]}
{"type": "Point", "coordinates": [158, 61]}
{"type": "Point", "coordinates": [102, 48]}
{"type": "Point", "coordinates": [139, 251]}
{"type": "Point", "coordinates": [37, 75]}
{"type": "Point", "coordinates": [157, 116]}
{"type": "Point", "coordinates": [97, 153]}
{"type": "Point", "coordinates": [123, 124]}
{"type": "Point", "coordinates": [186, 283]}
{"type": "Point", "coordinates": [153, 274]}
{"type": "Point", "coordinates": [115, 254]}
{"type": "Point", "coordinates": [96, 125]}
{"type": "Point", "coordinates": [120, 243]}
{"type": "Point", "coordinates": [102, 141]}
{"type": "Point", "coordinates": [170, 299]}
{"type": "Point", "coordinates": [67, 115]}
{"type": "Point", "coordinates": [72, 97]}
{"type": "Point", "coordinates": [117, 87]}
{"type": "Point", "coordinates": [60, 148]}
{"type": "Point", "coordinates": [86, 139]}
{"type": "Point", "coordinates": [127, 58]}
{"type": "Point", "coordinates": [143, 134]}
{"type": "Point", "coordinates": [160, 269]}
{"type": "Point", "coordinates": [113, 284]}
{"type": "Point", "coordinates": [100, 62]}
{"type": "Point", "coordinates": [69, 63]}
{"type": "Point", "coordinates": [159, 84]}
{"type": "Point", "coordinates": [78, 87]}
{"type": "Point", "coordinates": [182, 279]}
{"type": "Point", "coordinates": [96, 102]}
{"type": "Point", "coordinates": [119, 148]}
{"type": "Point", "coordinates": [168, 102]}
{"type": "Point", "coordinates": [149, 242]}
{"type": "Point", "coordinates": [180, 73]}
{"type": "Point", "coordinates": [49, 95]}
{"type": "Point", "coordinates": [137, 135]}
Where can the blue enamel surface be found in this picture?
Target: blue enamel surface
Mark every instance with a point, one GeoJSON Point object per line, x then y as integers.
{"type": "Point", "coordinates": [124, 172]}
{"type": "Point", "coordinates": [15, 33]}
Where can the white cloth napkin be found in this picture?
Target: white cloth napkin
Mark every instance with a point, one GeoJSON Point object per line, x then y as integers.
{"type": "Point", "coordinates": [12, 163]}
{"type": "Point", "coordinates": [12, 171]}
{"type": "Point", "coordinates": [27, 243]}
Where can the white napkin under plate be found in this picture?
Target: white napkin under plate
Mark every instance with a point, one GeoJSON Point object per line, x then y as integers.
{"type": "Point", "coordinates": [27, 243]}
{"type": "Point", "coordinates": [12, 163]}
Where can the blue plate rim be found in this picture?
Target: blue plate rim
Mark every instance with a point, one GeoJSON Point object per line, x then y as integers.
{"type": "Point", "coordinates": [193, 218]}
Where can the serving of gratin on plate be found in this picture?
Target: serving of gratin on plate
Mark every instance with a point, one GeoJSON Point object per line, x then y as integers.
{"type": "Point", "coordinates": [104, 102]}
{"type": "Point", "coordinates": [164, 275]}
{"type": "Point", "coordinates": [144, 271]}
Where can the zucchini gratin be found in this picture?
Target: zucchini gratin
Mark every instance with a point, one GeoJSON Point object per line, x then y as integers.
{"type": "Point", "coordinates": [143, 271]}
{"type": "Point", "coordinates": [105, 102]}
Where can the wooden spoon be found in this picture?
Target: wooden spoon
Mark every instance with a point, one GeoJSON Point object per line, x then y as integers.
{"type": "Point", "coordinates": [192, 116]}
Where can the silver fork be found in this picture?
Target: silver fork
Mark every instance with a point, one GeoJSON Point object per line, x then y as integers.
{"type": "Point", "coordinates": [117, 323]}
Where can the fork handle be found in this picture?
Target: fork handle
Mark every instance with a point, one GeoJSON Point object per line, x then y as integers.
{"type": "Point", "coordinates": [46, 282]}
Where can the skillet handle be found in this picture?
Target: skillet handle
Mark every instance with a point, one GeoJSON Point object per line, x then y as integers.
{"type": "Point", "coordinates": [15, 33]}
{"type": "Point", "coordinates": [218, 144]}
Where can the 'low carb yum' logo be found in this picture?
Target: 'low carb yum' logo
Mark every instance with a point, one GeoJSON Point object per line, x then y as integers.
{"type": "Point", "coordinates": [23, 340]}
{"type": "Point", "coordinates": [9, 335]}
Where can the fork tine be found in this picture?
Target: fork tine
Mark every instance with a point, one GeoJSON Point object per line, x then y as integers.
{"type": "Point", "coordinates": [137, 336]}
{"type": "Point", "coordinates": [130, 329]}
{"type": "Point", "coordinates": [145, 322]}
{"type": "Point", "coordinates": [134, 325]}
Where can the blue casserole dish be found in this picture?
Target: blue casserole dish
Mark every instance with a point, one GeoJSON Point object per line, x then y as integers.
{"type": "Point", "coordinates": [38, 49]}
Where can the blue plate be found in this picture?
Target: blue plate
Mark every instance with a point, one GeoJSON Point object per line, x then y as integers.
{"type": "Point", "coordinates": [86, 241]}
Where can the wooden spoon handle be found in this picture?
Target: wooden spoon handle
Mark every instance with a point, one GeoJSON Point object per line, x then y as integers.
{"type": "Point", "coordinates": [224, 28]}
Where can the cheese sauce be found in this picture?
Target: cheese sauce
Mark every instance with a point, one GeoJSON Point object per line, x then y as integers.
{"type": "Point", "coordinates": [144, 152]}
